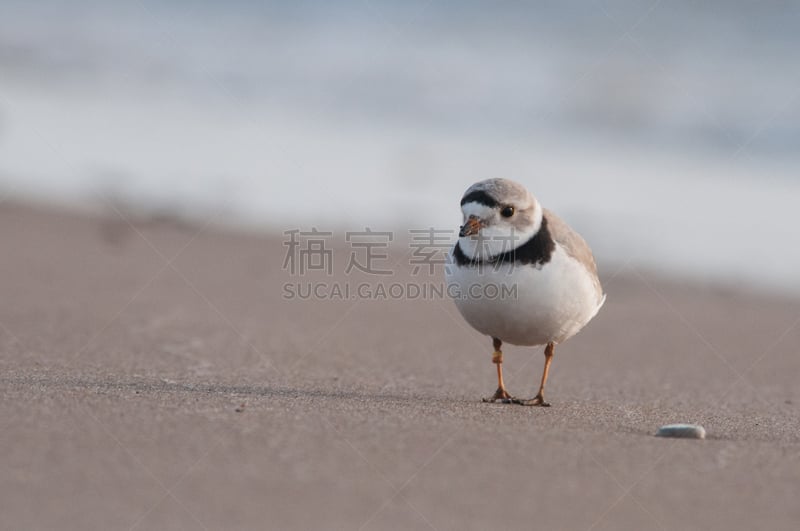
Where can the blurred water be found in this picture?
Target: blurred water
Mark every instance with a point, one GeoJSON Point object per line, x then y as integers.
{"type": "Point", "coordinates": [667, 132]}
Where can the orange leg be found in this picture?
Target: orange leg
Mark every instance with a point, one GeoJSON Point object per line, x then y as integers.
{"type": "Point", "coordinates": [497, 358]}
{"type": "Point", "coordinates": [538, 400]}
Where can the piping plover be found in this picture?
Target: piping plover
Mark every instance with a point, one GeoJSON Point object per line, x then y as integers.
{"type": "Point", "coordinates": [520, 275]}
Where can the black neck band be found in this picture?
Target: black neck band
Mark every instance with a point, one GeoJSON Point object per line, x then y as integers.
{"type": "Point", "coordinates": [536, 251]}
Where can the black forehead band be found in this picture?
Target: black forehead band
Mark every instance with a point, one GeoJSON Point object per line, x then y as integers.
{"type": "Point", "coordinates": [479, 196]}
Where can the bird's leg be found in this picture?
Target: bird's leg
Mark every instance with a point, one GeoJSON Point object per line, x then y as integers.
{"type": "Point", "coordinates": [538, 400]}
{"type": "Point", "coordinates": [497, 358]}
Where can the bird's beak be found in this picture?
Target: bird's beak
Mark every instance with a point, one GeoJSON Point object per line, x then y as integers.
{"type": "Point", "coordinates": [472, 226]}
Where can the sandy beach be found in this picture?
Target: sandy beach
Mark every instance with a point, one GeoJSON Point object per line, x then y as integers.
{"type": "Point", "coordinates": [153, 376]}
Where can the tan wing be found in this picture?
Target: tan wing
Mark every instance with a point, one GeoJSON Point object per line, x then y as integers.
{"type": "Point", "coordinates": [574, 245]}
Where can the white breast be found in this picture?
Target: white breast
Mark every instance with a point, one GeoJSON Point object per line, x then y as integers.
{"type": "Point", "coordinates": [523, 304]}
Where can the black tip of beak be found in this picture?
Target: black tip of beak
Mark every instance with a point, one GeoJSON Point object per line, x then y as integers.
{"type": "Point", "coordinates": [472, 226]}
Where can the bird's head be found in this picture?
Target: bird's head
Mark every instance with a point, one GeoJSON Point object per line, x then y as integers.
{"type": "Point", "coordinates": [499, 215]}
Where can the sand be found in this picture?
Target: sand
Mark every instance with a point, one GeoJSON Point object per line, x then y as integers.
{"type": "Point", "coordinates": [153, 377]}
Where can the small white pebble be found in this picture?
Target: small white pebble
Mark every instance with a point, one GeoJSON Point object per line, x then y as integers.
{"type": "Point", "coordinates": [683, 431]}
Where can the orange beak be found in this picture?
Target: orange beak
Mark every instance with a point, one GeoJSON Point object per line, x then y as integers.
{"type": "Point", "coordinates": [472, 226]}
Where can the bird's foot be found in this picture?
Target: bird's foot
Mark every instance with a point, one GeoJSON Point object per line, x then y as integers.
{"type": "Point", "coordinates": [537, 400]}
{"type": "Point", "coordinates": [500, 396]}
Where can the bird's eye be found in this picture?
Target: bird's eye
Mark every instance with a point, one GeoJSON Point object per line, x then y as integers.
{"type": "Point", "coordinates": [507, 212]}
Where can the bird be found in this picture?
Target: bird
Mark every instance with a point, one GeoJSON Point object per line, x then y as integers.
{"type": "Point", "coordinates": [520, 275]}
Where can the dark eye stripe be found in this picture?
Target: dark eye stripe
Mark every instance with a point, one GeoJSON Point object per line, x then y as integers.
{"type": "Point", "coordinates": [479, 196]}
